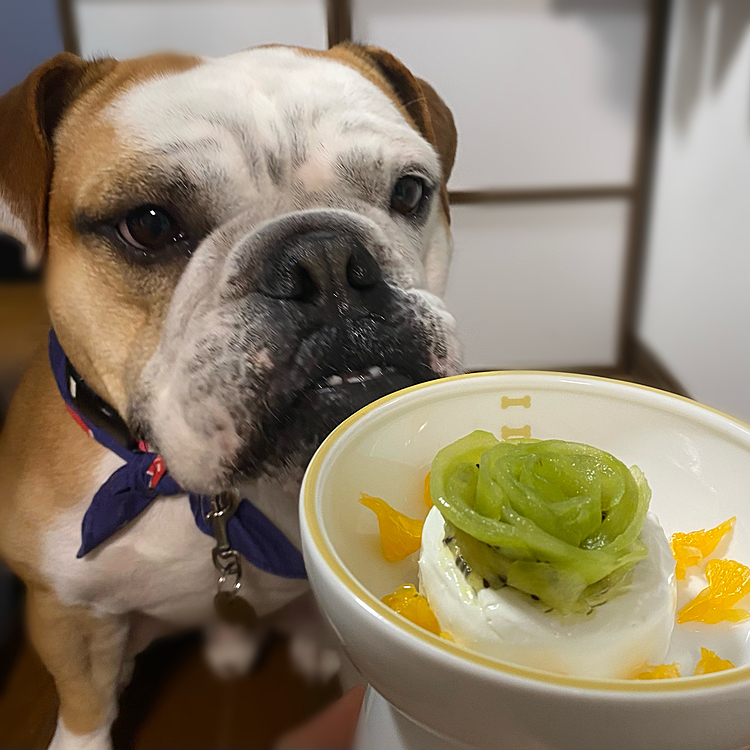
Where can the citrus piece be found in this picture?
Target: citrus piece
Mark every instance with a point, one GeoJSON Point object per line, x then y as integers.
{"type": "Point", "coordinates": [427, 494]}
{"type": "Point", "coordinates": [710, 662]}
{"type": "Point", "coordinates": [409, 603]}
{"type": "Point", "coordinates": [660, 672]}
{"type": "Point", "coordinates": [400, 536]}
{"type": "Point", "coordinates": [728, 582]}
{"type": "Point", "coordinates": [692, 547]}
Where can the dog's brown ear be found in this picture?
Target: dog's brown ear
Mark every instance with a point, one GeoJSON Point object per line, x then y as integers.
{"type": "Point", "coordinates": [443, 126]}
{"type": "Point", "coordinates": [29, 114]}
{"type": "Point", "coordinates": [428, 111]}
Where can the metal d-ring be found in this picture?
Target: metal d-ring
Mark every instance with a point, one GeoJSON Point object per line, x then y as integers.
{"type": "Point", "coordinates": [226, 559]}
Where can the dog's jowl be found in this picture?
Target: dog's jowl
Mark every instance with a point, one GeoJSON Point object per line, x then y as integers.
{"type": "Point", "coordinates": [238, 253]}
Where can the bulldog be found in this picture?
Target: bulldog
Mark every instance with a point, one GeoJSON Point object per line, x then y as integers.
{"type": "Point", "coordinates": [238, 254]}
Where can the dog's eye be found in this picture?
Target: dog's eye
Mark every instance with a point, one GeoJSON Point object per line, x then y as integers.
{"type": "Point", "coordinates": [407, 195]}
{"type": "Point", "coordinates": [150, 228]}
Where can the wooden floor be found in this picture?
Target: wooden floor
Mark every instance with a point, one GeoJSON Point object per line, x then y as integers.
{"type": "Point", "coordinates": [173, 701]}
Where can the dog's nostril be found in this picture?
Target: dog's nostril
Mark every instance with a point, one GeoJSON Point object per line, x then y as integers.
{"type": "Point", "coordinates": [362, 270]}
{"type": "Point", "coordinates": [322, 267]}
{"type": "Point", "coordinates": [304, 288]}
{"type": "Point", "coordinates": [289, 280]}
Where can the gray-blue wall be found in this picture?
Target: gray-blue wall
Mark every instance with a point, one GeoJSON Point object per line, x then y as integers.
{"type": "Point", "coordinates": [29, 34]}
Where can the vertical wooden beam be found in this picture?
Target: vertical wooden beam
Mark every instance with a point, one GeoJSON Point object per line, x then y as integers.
{"type": "Point", "coordinates": [339, 21]}
{"type": "Point", "coordinates": [652, 85]}
{"type": "Point", "coordinates": [68, 26]}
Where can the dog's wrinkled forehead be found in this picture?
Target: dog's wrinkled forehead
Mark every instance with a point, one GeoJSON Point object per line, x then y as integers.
{"type": "Point", "coordinates": [271, 116]}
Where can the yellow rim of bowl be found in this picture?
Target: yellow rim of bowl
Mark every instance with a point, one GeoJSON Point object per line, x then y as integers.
{"type": "Point", "coordinates": [689, 682]}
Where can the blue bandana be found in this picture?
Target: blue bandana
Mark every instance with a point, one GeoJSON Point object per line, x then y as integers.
{"type": "Point", "coordinates": [144, 478]}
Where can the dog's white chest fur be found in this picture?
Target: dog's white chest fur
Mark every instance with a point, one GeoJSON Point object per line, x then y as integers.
{"type": "Point", "coordinates": [160, 564]}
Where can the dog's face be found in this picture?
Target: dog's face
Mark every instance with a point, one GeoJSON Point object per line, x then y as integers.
{"type": "Point", "coordinates": [240, 252]}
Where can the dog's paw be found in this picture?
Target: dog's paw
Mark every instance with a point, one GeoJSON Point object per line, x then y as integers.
{"type": "Point", "coordinates": [64, 739]}
{"type": "Point", "coordinates": [231, 650]}
{"type": "Point", "coordinates": [314, 662]}
{"type": "Point", "coordinates": [126, 673]}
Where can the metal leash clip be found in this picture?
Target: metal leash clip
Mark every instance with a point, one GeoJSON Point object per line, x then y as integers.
{"type": "Point", "coordinates": [230, 607]}
{"type": "Point", "coordinates": [226, 559]}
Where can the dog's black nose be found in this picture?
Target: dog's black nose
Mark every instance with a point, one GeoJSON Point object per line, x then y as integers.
{"type": "Point", "coordinates": [323, 267]}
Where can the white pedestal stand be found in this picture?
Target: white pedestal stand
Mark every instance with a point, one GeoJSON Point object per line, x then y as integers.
{"type": "Point", "coordinates": [383, 727]}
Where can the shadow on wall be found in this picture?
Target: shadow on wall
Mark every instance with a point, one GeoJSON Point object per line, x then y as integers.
{"type": "Point", "coordinates": [710, 33]}
{"type": "Point", "coordinates": [612, 26]}
{"type": "Point", "coordinates": [611, 22]}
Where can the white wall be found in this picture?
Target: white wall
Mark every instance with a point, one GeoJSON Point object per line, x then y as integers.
{"type": "Point", "coordinates": [695, 312]}
{"type": "Point", "coordinates": [538, 285]}
{"type": "Point", "coordinates": [129, 28]}
{"type": "Point", "coordinates": [544, 93]}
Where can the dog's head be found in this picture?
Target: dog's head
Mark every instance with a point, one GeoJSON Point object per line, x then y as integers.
{"type": "Point", "coordinates": [240, 252]}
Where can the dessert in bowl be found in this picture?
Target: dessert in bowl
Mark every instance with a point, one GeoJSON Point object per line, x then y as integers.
{"type": "Point", "coordinates": [461, 693]}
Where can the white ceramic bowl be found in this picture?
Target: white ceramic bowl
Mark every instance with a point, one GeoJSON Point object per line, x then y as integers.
{"type": "Point", "coordinates": [697, 462]}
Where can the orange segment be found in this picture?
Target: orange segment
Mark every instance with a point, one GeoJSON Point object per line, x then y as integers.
{"type": "Point", "coordinates": [728, 582]}
{"type": "Point", "coordinates": [407, 601]}
{"type": "Point", "coordinates": [710, 662]}
{"type": "Point", "coordinates": [427, 494]}
{"type": "Point", "coordinates": [400, 536]}
{"type": "Point", "coordinates": [692, 547]}
{"type": "Point", "coordinates": [660, 672]}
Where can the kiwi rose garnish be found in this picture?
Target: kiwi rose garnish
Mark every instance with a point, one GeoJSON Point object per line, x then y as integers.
{"type": "Point", "coordinates": [557, 520]}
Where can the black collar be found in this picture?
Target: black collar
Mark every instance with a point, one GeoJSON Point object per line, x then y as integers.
{"type": "Point", "coordinates": [95, 409]}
